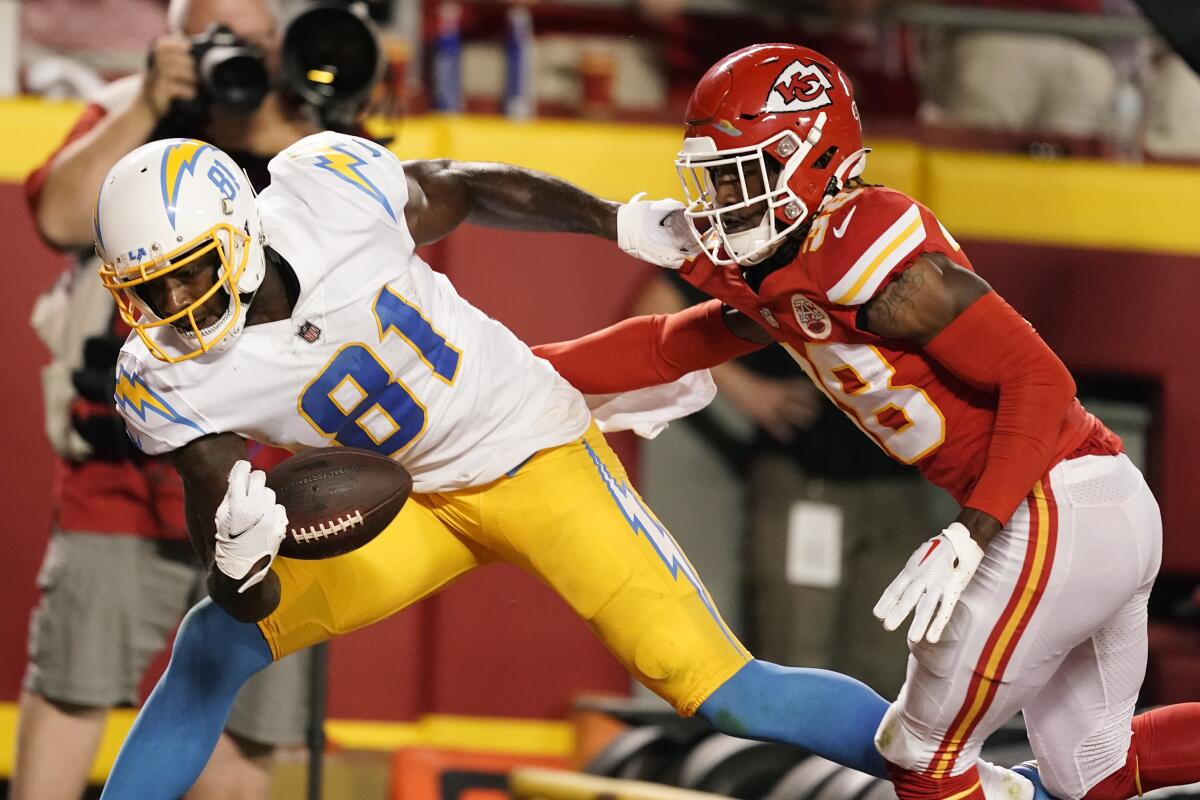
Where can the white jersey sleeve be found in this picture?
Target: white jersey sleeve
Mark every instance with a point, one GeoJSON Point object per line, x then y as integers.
{"type": "Point", "coordinates": [379, 351]}
{"type": "Point", "coordinates": [348, 183]}
{"type": "Point", "coordinates": [157, 417]}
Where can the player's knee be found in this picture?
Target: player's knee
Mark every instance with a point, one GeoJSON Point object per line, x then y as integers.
{"type": "Point", "coordinates": [1120, 783]}
{"type": "Point", "coordinates": [199, 640]}
{"type": "Point", "coordinates": [725, 708]}
{"type": "Point", "coordinates": [899, 745]}
{"type": "Point", "coordinates": [213, 644]}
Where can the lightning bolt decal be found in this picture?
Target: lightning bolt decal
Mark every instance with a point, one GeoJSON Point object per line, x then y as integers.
{"type": "Point", "coordinates": [133, 393]}
{"type": "Point", "coordinates": [343, 163]}
{"type": "Point", "coordinates": [643, 523]}
{"type": "Point", "coordinates": [179, 159]}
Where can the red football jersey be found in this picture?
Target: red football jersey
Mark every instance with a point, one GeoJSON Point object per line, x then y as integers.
{"type": "Point", "coordinates": [908, 403]}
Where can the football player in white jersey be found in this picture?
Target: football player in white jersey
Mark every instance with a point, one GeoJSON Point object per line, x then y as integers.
{"type": "Point", "coordinates": [304, 318]}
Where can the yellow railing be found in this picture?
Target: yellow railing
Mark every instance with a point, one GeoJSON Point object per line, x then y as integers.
{"type": "Point", "coordinates": [531, 737]}
{"type": "Point", "coordinates": [537, 783]}
{"type": "Point", "coordinates": [1069, 202]}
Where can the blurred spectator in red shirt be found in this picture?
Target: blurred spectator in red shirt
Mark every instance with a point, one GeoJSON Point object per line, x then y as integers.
{"type": "Point", "coordinates": [119, 571]}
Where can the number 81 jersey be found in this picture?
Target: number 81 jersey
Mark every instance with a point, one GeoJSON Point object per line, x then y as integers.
{"type": "Point", "coordinates": [380, 352]}
{"type": "Point", "coordinates": [900, 397]}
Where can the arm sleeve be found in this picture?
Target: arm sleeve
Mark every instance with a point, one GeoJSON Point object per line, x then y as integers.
{"type": "Point", "coordinates": [647, 351]}
{"type": "Point", "coordinates": [90, 117]}
{"type": "Point", "coordinates": [991, 347]}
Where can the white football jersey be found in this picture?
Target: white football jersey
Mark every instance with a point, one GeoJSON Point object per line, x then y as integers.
{"type": "Point", "coordinates": [380, 351]}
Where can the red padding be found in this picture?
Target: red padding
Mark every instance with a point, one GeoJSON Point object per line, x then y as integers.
{"type": "Point", "coordinates": [1165, 751]}
{"type": "Point", "coordinates": [994, 348]}
{"type": "Point", "coordinates": [647, 351]}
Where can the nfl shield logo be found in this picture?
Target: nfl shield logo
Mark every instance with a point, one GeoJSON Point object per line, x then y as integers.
{"type": "Point", "coordinates": [811, 318]}
{"type": "Point", "coordinates": [309, 332]}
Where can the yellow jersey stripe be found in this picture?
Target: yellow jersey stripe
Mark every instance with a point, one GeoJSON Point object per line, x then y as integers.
{"type": "Point", "coordinates": [965, 792]}
{"type": "Point", "coordinates": [873, 265]}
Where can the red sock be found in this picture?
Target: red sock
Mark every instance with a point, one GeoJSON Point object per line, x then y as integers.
{"type": "Point", "coordinates": [912, 785]}
{"type": "Point", "coordinates": [1165, 751]}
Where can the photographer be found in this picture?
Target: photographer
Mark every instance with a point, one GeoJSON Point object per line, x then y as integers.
{"type": "Point", "coordinates": [119, 573]}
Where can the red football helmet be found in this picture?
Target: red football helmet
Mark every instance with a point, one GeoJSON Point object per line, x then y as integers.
{"type": "Point", "coordinates": [779, 113]}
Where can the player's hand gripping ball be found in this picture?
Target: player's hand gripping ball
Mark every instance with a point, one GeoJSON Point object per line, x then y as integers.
{"type": "Point", "coordinates": [337, 499]}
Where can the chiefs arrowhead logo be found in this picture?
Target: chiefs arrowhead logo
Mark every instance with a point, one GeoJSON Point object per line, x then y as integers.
{"type": "Point", "coordinates": [811, 318]}
{"type": "Point", "coordinates": [800, 87]}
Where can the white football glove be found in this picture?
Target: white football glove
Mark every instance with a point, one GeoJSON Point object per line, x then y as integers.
{"type": "Point", "coordinates": [656, 231]}
{"type": "Point", "coordinates": [933, 579]}
{"type": "Point", "coordinates": [250, 526]}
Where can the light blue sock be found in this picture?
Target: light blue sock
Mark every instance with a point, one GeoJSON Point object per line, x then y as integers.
{"type": "Point", "coordinates": [175, 732]}
{"type": "Point", "coordinates": [827, 713]}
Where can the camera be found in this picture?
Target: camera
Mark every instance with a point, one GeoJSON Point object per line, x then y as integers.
{"type": "Point", "coordinates": [229, 71]}
{"type": "Point", "coordinates": [331, 60]}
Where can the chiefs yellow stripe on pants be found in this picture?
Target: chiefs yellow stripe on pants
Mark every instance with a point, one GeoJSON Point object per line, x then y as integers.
{"type": "Point", "coordinates": [1006, 632]}
{"type": "Point", "coordinates": [568, 516]}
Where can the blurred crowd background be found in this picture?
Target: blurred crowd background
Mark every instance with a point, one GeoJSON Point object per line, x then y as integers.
{"type": "Point", "coordinates": [1058, 139]}
{"type": "Point", "coordinates": [1090, 76]}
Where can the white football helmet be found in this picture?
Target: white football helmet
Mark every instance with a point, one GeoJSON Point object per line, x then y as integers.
{"type": "Point", "coordinates": [163, 206]}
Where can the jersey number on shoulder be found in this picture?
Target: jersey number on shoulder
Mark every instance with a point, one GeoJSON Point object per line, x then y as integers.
{"type": "Point", "coordinates": [816, 234]}
{"type": "Point", "coordinates": [900, 418]}
{"type": "Point", "coordinates": [357, 401]}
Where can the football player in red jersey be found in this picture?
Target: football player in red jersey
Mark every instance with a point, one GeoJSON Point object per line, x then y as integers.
{"type": "Point", "coordinates": [1048, 567]}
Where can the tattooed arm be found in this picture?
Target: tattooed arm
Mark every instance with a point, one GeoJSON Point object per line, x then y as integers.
{"type": "Point", "coordinates": [921, 301]}
{"type": "Point", "coordinates": [919, 304]}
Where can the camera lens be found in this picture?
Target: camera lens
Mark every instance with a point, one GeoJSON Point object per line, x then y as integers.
{"type": "Point", "coordinates": [330, 55]}
{"type": "Point", "coordinates": [234, 76]}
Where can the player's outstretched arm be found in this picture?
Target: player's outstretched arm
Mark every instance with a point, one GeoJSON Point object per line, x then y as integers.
{"type": "Point", "coordinates": [443, 193]}
{"type": "Point", "coordinates": [654, 349]}
{"type": "Point", "coordinates": [205, 465]}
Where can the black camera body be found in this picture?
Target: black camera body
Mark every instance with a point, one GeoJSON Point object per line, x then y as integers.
{"type": "Point", "coordinates": [229, 71]}
{"type": "Point", "coordinates": [331, 61]}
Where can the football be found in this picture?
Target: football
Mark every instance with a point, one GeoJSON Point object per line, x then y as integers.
{"type": "Point", "coordinates": [337, 499]}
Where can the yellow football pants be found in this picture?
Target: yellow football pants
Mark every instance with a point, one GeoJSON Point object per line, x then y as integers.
{"type": "Point", "coordinates": [568, 516]}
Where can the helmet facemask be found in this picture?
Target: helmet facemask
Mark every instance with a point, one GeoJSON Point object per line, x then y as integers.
{"type": "Point", "coordinates": [174, 206]}
{"type": "Point", "coordinates": [128, 284]}
{"type": "Point", "coordinates": [771, 165]}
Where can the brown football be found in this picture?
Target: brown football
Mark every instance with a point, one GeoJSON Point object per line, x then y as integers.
{"type": "Point", "coordinates": [337, 499]}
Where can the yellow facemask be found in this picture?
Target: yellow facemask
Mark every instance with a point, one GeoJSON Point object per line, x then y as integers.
{"type": "Point", "coordinates": [122, 280]}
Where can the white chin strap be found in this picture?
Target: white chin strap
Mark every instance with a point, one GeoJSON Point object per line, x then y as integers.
{"type": "Point", "coordinates": [193, 341]}
{"type": "Point", "coordinates": [753, 245]}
